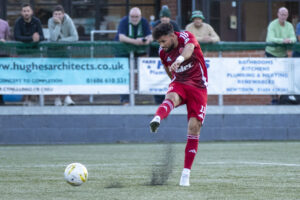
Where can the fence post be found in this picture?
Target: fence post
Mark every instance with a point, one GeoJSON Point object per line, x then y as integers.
{"type": "Point", "coordinates": [131, 79]}
{"type": "Point", "coordinates": [91, 98]}
{"type": "Point", "coordinates": [41, 96]}
{"type": "Point", "coordinates": [220, 96]}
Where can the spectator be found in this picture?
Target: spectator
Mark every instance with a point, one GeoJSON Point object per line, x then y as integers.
{"type": "Point", "coordinates": [4, 36]}
{"type": "Point", "coordinates": [165, 17]}
{"type": "Point", "coordinates": [62, 28]}
{"type": "Point", "coordinates": [4, 30]}
{"type": "Point", "coordinates": [152, 18]}
{"type": "Point", "coordinates": [280, 31]}
{"type": "Point", "coordinates": [296, 53]}
{"type": "Point", "coordinates": [133, 29]}
{"type": "Point", "coordinates": [28, 29]}
{"type": "Point", "coordinates": [293, 99]}
{"type": "Point", "coordinates": [202, 31]}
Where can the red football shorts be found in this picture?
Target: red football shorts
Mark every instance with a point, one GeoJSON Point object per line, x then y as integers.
{"type": "Point", "coordinates": [194, 98]}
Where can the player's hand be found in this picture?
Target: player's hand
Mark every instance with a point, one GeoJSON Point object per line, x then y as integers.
{"type": "Point", "coordinates": [175, 65]}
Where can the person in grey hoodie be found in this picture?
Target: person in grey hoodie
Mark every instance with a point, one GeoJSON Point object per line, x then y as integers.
{"type": "Point", "coordinates": [62, 29]}
{"type": "Point", "coordinates": [61, 26]}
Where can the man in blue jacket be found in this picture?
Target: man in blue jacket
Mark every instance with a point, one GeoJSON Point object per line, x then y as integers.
{"type": "Point", "coordinates": [133, 29]}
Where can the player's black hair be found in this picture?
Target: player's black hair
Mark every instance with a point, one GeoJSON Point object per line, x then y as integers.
{"type": "Point", "coordinates": [23, 5]}
{"type": "Point", "coordinates": [59, 8]}
{"type": "Point", "coordinates": [161, 30]}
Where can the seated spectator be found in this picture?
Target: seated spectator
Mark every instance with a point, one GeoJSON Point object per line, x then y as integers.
{"type": "Point", "coordinates": [62, 28]}
{"type": "Point", "coordinates": [202, 31]}
{"type": "Point", "coordinates": [28, 29]}
{"type": "Point", "coordinates": [133, 29]}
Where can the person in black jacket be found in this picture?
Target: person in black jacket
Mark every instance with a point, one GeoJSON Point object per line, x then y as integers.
{"type": "Point", "coordinates": [27, 27]}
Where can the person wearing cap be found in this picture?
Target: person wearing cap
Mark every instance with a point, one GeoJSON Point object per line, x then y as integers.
{"type": "Point", "coordinates": [202, 31]}
{"type": "Point", "coordinates": [165, 17]}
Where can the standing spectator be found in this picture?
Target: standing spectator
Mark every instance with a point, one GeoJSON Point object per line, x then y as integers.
{"type": "Point", "coordinates": [133, 29]}
{"type": "Point", "coordinates": [4, 30]}
{"type": "Point", "coordinates": [293, 99]}
{"type": "Point", "coordinates": [28, 29]}
{"type": "Point", "coordinates": [4, 36]}
{"type": "Point", "coordinates": [165, 17]}
{"type": "Point", "coordinates": [62, 28]}
{"type": "Point", "coordinates": [280, 31]}
{"type": "Point", "coordinates": [296, 53]}
{"type": "Point", "coordinates": [202, 31]}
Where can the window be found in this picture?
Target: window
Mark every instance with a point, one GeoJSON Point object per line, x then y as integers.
{"type": "Point", "coordinates": [105, 15]}
{"type": "Point", "coordinates": [84, 16]}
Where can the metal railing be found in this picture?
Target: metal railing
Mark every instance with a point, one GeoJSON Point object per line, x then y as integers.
{"type": "Point", "coordinates": [92, 48]}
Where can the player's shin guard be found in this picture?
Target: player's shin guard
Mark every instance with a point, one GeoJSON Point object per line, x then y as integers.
{"type": "Point", "coordinates": [165, 108]}
{"type": "Point", "coordinates": [190, 150]}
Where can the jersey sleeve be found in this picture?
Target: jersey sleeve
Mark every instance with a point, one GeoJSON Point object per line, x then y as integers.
{"type": "Point", "coordinates": [187, 37]}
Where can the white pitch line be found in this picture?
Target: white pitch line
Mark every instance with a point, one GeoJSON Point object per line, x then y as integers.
{"type": "Point", "coordinates": [272, 164]}
{"type": "Point", "coordinates": [250, 163]}
{"type": "Point", "coordinates": [132, 165]}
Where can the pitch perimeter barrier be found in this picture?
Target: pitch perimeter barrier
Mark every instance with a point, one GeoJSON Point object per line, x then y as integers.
{"type": "Point", "coordinates": [123, 124]}
{"type": "Point", "coordinates": [114, 48]}
{"type": "Point", "coordinates": [108, 49]}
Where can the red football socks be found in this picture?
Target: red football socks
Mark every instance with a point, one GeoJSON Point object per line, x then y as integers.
{"type": "Point", "coordinates": [165, 108]}
{"type": "Point", "coordinates": [190, 150]}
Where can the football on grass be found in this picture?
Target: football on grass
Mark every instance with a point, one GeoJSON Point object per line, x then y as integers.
{"type": "Point", "coordinates": [76, 174]}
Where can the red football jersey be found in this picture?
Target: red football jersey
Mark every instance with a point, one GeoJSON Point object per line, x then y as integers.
{"type": "Point", "coordinates": [193, 70]}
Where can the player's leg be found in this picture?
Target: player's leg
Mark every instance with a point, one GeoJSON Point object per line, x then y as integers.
{"type": "Point", "coordinates": [191, 149]}
{"type": "Point", "coordinates": [171, 101]}
{"type": "Point", "coordinates": [196, 101]}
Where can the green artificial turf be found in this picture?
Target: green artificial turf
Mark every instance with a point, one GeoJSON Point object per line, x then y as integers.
{"type": "Point", "coordinates": [230, 170]}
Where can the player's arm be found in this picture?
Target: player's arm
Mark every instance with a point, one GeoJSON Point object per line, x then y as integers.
{"type": "Point", "coordinates": [186, 54]}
